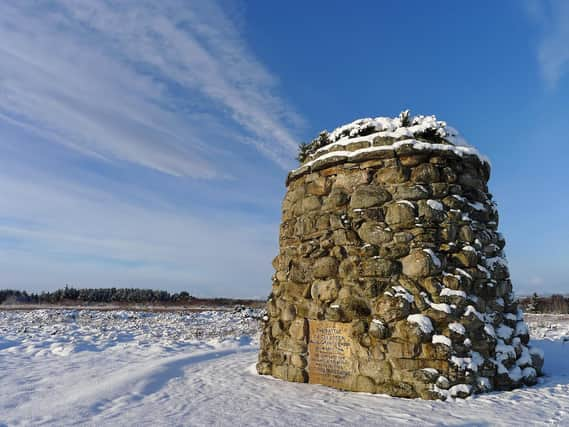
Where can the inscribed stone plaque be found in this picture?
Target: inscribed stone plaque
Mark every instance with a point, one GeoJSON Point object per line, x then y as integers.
{"type": "Point", "coordinates": [330, 354]}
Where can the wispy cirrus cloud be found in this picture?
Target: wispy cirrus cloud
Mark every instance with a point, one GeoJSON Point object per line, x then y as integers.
{"type": "Point", "coordinates": [170, 86]}
{"type": "Point", "coordinates": [119, 124]}
{"type": "Point", "coordinates": [552, 18]}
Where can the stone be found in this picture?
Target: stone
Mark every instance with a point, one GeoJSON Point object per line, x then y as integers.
{"type": "Point", "coordinates": [398, 389]}
{"type": "Point", "coordinates": [374, 233]}
{"type": "Point", "coordinates": [292, 289]}
{"type": "Point", "coordinates": [264, 368]}
{"type": "Point", "coordinates": [443, 383]}
{"type": "Point", "coordinates": [435, 351]}
{"type": "Point", "coordinates": [277, 329]}
{"type": "Point", "coordinates": [393, 250]}
{"type": "Point", "coordinates": [325, 290]}
{"type": "Point", "coordinates": [403, 237]}
{"type": "Point", "coordinates": [319, 186]}
{"type": "Point", "coordinates": [377, 267]}
{"type": "Point", "coordinates": [392, 308]}
{"type": "Point", "coordinates": [449, 175]}
{"type": "Point", "coordinates": [466, 234]}
{"type": "Point", "coordinates": [370, 239]}
{"type": "Point", "coordinates": [428, 213]}
{"type": "Point", "coordinates": [325, 267]}
{"type": "Point", "coordinates": [336, 199]}
{"type": "Point", "coordinates": [345, 237]}
{"type": "Point", "coordinates": [298, 361]}
{"type": "Point", "coordinates": [300, 271]}
{"type": "Point", "coordinates": [413, 192]}
{"type": "Point", "coordinates": [400, 215]}
{"type": "Point", "coordinates": [365, 384]}
{"type": "Point", "coordinates": [470, 180]}
{"type": "Point", "coordinates": [425, 173]}
{"type": "Point", "coordinates": [296, 375]}
{"type": "Point", "coordinates": [432, 285]}
{"type": "Point", "coordinates": [427, 376]}
{"type": "Point", "coordinates": [405, 350]}
{"type": "Point", "coordinates": [378, 370]}
{"type": "Point", "coordinates": [419, 264]}
{"type": "Point", "coordinates": [466, 258]}
{"type": "Point", "coordinates": [298, 329]}
{"type": "Point", "coordinates": [353, 308]}
{"type": "Point", "coordinates": [349, 181]}
{"type": "Point", "coordinates": [383, 140]}
{"type": "Point", "coordinates": [349, 268]}
{"type": "Point", "coordinates": [439, 189]}
{"type": "Point", "coordinates": [409, 332]}
{"type": "Point", "coordinates": [392, 175]}
{"type": "Point", "coordinates": [311, 203]}
{"type": "Point", "coordinates": [378, 329]}
{"type": "Point", "coordinates": [453, 282]}
{"type": "Point", "coordinates": [367, 196]}
{"type": "Point", "coordinates": [288, 313]}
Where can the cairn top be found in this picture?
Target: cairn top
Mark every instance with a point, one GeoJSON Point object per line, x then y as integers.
{"type": "Point", "coordinates": [382, 136]}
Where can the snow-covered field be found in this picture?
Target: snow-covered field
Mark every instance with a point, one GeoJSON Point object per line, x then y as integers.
{"type": "Point", "coordinates": [114, 368]}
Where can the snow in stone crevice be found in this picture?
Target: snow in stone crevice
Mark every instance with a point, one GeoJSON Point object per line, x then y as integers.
{"type": "Point", "coordinates": [470, 363]}
{"type": "Point", "coordinates": [445, 308]}
{"type": "Point", "coordinates": [441, 339]}
{"type": "Point", "coordinates": [415, 144]}
{"type": "Point", "coordinates": [422, 321]}
{"type": "Point", "coordinates": [465, 389]}
{"type": "Point", "coordinates": [452, 293]}
{"type": "Point", "coordinates": [436, 260]}
{"type": "Point", "coordinates": [461, 272]}
{"type": "Point", "coordinates": [406, 202]}
{"type": "Point", "coordinates": [471, 310]}
{"type": "Point", "coordinates": [484, 270]}
{"type": "Point", "coordinates": [435, 204]}
{"type": "Point", "coordinates": [492, 262]}
{"type": "Point", "coordinates": [400, 292]}
{"type": "Point", "coordinates": [457, 328]}
{"type": "Point", "coordinates": [489, 330]}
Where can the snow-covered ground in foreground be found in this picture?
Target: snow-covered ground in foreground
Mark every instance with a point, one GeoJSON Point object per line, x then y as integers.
{"type": "Point", "coordinates": [134, 368]}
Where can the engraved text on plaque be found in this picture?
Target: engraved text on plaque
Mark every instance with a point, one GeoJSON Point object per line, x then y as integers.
{"type": "Point", "coordinates": [330, 354]}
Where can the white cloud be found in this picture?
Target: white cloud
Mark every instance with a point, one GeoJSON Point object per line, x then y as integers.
{"type": "Point", "coordinates": [151, 83]}
{"type": "Point", "coordinates": [54, 232]}
{"type": "Point", "coordinates": [552, 18]}
{"type": "Point", "coordinates": [95, 97]}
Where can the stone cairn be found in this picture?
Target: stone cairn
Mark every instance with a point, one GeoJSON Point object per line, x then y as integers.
{"type": "Point", "coordinates": [388, 228]}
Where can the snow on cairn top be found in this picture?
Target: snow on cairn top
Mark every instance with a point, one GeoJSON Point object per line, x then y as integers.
{"type": "Point", "coordinates": [386, 133]}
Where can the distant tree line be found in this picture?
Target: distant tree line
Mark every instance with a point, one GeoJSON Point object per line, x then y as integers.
{"type": "Point", "coordinates": [545, 304]}
{"type": "Point", "coordinates": [94, 295]}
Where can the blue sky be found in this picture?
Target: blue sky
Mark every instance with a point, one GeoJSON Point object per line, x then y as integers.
{"type": "Point", "coordinates": [146, 143]}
